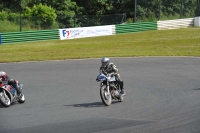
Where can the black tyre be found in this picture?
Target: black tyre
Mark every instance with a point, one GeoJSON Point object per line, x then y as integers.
{"type": "Point", "coordinates": [121, 99]}
{"type": "Point", "coordinates": [22, 99]}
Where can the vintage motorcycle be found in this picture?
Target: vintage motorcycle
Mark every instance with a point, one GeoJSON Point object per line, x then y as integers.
{"type": "Point", "coordinates": [8, 95]}
{"type": "Point", "coordinates": [109, 89]}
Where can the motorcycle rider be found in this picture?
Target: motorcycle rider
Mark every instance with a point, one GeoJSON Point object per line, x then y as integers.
{"type": "Point", "coordinates": [108, 67]}
{"type": "Point", "coordinates": [7, 80]}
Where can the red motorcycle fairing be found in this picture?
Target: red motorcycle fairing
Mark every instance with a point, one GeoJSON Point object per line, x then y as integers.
{"type": "Point", "coordinates": [1, 85]}
{"type": "Point", "coordinates": [10, 91]}
{"type": "Point", "coordinates": [8, 95]}
{"type": "Point", "coordinates": [8, 88]}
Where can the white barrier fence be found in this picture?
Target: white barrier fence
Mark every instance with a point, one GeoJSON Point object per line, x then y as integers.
{"type": "Point", "coordinates": [175, 24]}
{"type": "Point", "coordinates": [197, 21]}
{"type": "Point", "coordinates": [82, 32]}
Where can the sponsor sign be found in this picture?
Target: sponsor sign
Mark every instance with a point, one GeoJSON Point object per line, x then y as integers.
{"type": "Point", "coordinates": [83, 32]}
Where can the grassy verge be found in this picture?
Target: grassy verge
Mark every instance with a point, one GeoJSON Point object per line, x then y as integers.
{"type": "Point", "coordinates": [179, 42]}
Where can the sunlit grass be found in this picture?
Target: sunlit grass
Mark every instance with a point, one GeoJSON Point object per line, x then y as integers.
{"type": "Point", "coordinates": [179, 42]}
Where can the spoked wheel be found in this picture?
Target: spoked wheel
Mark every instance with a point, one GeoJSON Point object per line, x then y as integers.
{"type": "Point", "coordinates": [105, 96]}
{"type": "Point", "coordinates": [5, 100]}
{"type": "Point", "coordinates": [22, 99]}
{"type": "Point", "coordinates": [121, 98]}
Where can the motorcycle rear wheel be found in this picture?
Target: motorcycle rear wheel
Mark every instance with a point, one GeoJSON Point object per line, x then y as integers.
{"type": "Point", "coordinates": [121, 99]}
{"type": "Point", "coordinates": [4, 100]}
{"type": "Point", "coordinates": [105, 96]}
{"type": "Point", "coordinates": [22, 99]}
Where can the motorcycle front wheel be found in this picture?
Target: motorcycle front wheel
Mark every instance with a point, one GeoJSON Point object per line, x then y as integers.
{"type": "Point", "coordinates": [4, 100]}
{"type": "Point", "coordinates": [105, 96]}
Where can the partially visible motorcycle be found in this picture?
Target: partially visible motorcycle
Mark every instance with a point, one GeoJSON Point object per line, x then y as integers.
{"type": "Point", "coordinates": [8, 95]}
{"type": "Point", "coordinates": [109, 89]}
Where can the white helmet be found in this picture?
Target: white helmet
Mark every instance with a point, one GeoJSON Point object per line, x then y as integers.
{"type": "Point", "coordinates": [105, 61]}
{"type": "Point", "coordinates": [3, 75]}
{"type": "Point", "coordinates": [1, 80]}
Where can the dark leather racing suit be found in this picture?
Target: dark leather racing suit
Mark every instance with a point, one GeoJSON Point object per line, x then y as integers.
{"type": "Point", "coordinates": [13, 83]}
{"type": "Point", "coordinates": [112, 69]}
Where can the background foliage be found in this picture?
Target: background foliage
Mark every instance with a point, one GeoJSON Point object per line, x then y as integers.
{"type": "Point", "coordinates": [51, 14]}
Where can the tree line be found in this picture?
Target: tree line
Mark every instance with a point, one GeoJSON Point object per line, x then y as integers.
{"type": "Point", "coordinates": [69, 13]}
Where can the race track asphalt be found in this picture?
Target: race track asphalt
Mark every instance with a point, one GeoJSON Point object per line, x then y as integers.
{"type": "Point", "coordinates": [163, 96]}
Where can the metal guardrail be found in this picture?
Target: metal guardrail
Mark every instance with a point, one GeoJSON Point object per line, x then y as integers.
{"type": "Point", "coordinates": [0, 39]}
{"type": "Point", "coordinates": [26, 36]}
{"type": "Point", "coordinates": [135, 27]}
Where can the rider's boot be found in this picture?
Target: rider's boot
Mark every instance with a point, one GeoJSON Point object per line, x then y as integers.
{"type": "Point", "coordinates": [14, 84]}
{"type": "Point", "coordinates": [19, 92]}
{"type": "Point", "coordinates": [122, 91]}
{"type": "Point", "coordinates": [122, 87]}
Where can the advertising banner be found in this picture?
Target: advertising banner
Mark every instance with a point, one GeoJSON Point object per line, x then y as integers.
{"type": "Point", "coordinates": [83, 32]}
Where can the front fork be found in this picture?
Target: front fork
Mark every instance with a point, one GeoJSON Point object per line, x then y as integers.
{"type": "Point", "coordinates": [107, 87]}
{"type": "Point", "coordinates": [107, 90]}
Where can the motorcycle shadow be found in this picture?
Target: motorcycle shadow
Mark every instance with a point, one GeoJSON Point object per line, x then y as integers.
{"type": "Point", "coordinates": [12, 104]}
{"type": "Point", "coordinates": [196, 89]}
{"type": "Point", "coordinates": [91, 105]}
{"type": "Point", "coordinates": [1, 106]}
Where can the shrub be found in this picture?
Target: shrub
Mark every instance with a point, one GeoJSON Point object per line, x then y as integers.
{"type": "Point", "coordinates": [3, 15]}
{"type": "Point", "coordinates": [43, 15]}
